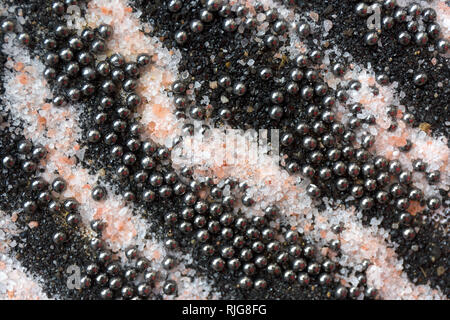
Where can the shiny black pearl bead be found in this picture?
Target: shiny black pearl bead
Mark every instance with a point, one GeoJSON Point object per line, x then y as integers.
{"type": "Point", "coordinates": [59, 238]}
{"type": "Point", "coordinates": [245, 283]}
{"type": "Point", "coordinates": [143, 290]}
{"type": "Point", "coordinates": [59, 185]}
{"type": "Point", "coordinates": [101, 279]}
{"type": "Point", "coordinates": [258, 246]}
{"type": "Point", "coordinates": [274, 270]}
{"type": "Point", "coordinates": [132, 70]}
{"type": "Point", "coordinates": [338, 69]}
{"type": "Point", "coordinates": [103, 68]}
{"type": "Point", "coordinates": [405, 177]}
{"type": "Point", "coordinates": [133, 100]}
{"type": "Point", "coordinates": [303, 279]}
{"type": "Point", "coordinates": [98, 193]}
{"type": "Point", "coordinates": [402, 203]}
{"type": "Point", "coordinates": [29, 167]}
{"type": "Point", "coordinates": [400, 15]}
{"type": "Point", "coordinates": [246, 254]}
{"type": "Point", "coordinates": [239, 89]}
{"type": "Point", "coordinates": [434, 203]}
{"type": "Point", "coordinates": [442, 46]}
{"type": "Point", "coordinates": [404, 38]}
{"type": "Point", "coordinates": [353, 170]}
{"type": "Point", "coordinates": [371, 38]}
{"type": "Point", "coordinates": [313, 191]}
{"type": "Point", "coordinates": [127, 292]}
{"type": "Point", "coordinates": [87, 89]}
{"type": "Point", "coordinates": [366, 203]}
{"type": "Point", "coordinates": [59, 100]}
{"type": "Point", "coordinates": [44, 197]}
{"type": "Point", "coordinates": [98, 46]}
{"type": "Point", "coordinates": [370, 184]}
{"type": "Point", "coordinates": [84, 58]}
{"type": "Point", "coordinates": [249, 269]}
{"type": "Point", "coordinates": [118, 75]}
{"type": "Point", "coordinates": [51, 59]}
{"type": "Point", "coordinates": [339, 168]}
{"type": "Point", "coordinates": [29, 207]}
{"type": "Point", "coordinates": [412, 26]}
{"type": "Point", "coordinates": [420, 79]}
{"type": "Point", "coordinates": [88, 74]}
{"type": "Point", "coordinates": [421, 38]}
{"type": "Point", "coordinates": [170, 218]}
{"type": "Point", "coordinates": [75, 43]}
{"type": "Point", "coordinates": [93, 135]}
{"type": "Point", "coordinates": [381, 163]}
{"type": "Point", "coordinates": [395, 167]}
{"type": "Point", "coordinates": [362, 9]}
{"type": "Point", "coordinates": [325, 174]}
{"type": "Point", "coordinates": [397, 190]}
{"type": "Point", "coordinates": [38, 184]}
{"type": "Point", "coordinates": [150, 276]}
{"type": "Point", "coordinates": [434, 30]}
{"type": "Point", "coordinates": [419, 165]}
{"type": "Point", "coordinates": [49, 73]}
{"type": "Point", "coordinates": [74, 94]}
{"type": "Point", "coordinates": [382, 197]}
{"type": "Point", "coordinates": [338, 128]}
{"type": "Point", "coordinates": [349, 136]}
{"type": "Point", "coordinates": [289, 276]}
{"type": "Point", "coordinates": [50, 43]}
{"type": "Point", "coordinates": [87, 35]}
{"type": "Point", "coordinates": [383, 179]}
{"type": "Point", "coordinates": [409, 234]}
{"type": "Point", "coordinates": [429, 15]}
{"type": "Point", "coordinates": [54, 207]}
{"type": "Point", "coordinates": [234, 264]}
{"type": "Point", "coordinates": [62, 31]}
{"type": "Point", "coordinates": [117, 152]}
{"type": "Point", "coordinates": [105, 31]}
{"type": "Point", "coordinates": [218, 264]}
{"type": "Point", "coordinates": [196, 26]}
{"type": "Point", "coordinates": [415, 195]}
{"type": "Point", "coordinates": [66, 54]}
{"type": "Point", "coordinates": [313, 268]}
{"type": "Point", "coordinates": [71, 205]}
{"type": "Point", "coordinates": [104, 257]}
{"type": "Point", "coordinates": [230, 25]}
{"type": "Point", "coordinates": [325, 279]}
{"type": "Point", "coordinates": [334, 154]}
{"type": "Point", "coordinates": [304, 30]}
{"type": "Point", "coordinates": [357, 191]}
{"type": "Point", "coordinates": [433, 176]}
{"type": "Point", "coordinates": [207, 250]}
{"type": "Point", "coordinates": [341, 293]}
{"type": "Point", "coordinates": [405, 218]}
{"type": "Point", "coordinates": [181, 37]}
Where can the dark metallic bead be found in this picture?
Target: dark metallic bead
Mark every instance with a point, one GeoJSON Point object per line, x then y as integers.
{"type": "Point", "coordinates": [341, 293]}
{"type": "Point", "coordinates": [429, 15]}
{"type": "Point", "coordinates": [434, 203]}
{"type": "Point", "coordinates": [404, 38]}
{"type": "Point", "coordinates": [24, 38]}
{"type": "Point", "coordinates": [144, 290]}
{"type": "Point", "coordinates": [366, 203]}
{"type": "Point", "coordinates": [61, 31]}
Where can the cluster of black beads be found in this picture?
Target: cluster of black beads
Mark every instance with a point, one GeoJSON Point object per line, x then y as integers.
{"type": "Point", "coordinates": [289, 95]}
{"type": "Point", "coordinates": [145, 176]}
{"type": "Point", "coordinates": [425, 83]}
{"type": "Point", "coordinates": [160, 198]}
